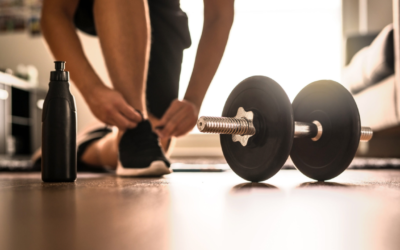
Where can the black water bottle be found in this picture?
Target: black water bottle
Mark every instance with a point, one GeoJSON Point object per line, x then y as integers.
{"type": "Point", "coordinates": [59, 129]}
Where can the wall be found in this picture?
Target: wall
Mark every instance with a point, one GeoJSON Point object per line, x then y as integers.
{"type": "Point", "coordinates": [379, 14]}
{"type": "Point", "coordinates": [360, 16]}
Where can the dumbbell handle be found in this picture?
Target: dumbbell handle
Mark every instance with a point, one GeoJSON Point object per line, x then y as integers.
{"type": "Point", "coordinates": [241, 126]}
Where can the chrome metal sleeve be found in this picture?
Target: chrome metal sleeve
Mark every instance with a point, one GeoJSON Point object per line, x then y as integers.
{"type": "Point", "coordinates": [366, 134]}
{"type": "Point", "coordinates": [225, 125]}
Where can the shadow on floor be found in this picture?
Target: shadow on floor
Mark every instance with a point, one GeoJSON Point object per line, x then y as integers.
{"type": "Point", "coordinates": [250, 186]}
{"type": "Point", "coordinates": [325, 184]}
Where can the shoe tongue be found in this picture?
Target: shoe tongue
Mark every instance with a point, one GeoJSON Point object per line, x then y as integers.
{"type": "Point", "coordinates": [143, 127]}
{"type": "Point", "coordinates": [143, 130]}
{"type": "Point", "coordinates": [139, 135]}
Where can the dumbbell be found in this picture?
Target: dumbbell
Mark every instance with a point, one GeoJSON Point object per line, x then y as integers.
{"type": "Point", "coordinates": [260, 128]}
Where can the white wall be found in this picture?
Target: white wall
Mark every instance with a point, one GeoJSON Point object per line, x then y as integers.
{"type": "Point", "coordinates": [16, 48]}
{"type": "Point", "coordinates": [365, 15]}
{"type": "Point", "coordinates": [379, 14]}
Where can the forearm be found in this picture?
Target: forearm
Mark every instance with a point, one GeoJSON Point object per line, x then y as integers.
{"type": "Point", "coordinates": [59, 32]}
{"type": "Point", "coordinates": [209, 54]}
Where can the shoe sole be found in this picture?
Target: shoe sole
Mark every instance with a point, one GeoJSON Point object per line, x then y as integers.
{"type": "Point", "coordinates": [156, 168]}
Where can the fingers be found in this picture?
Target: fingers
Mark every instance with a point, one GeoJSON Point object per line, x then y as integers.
{"type": "Point", "coordinates": [171, 112]}
{"type": "Point", "coordinates": [179, 119]}
{"type": "Point", "coordinates": [185, 127]}
{"type": "Point", "coordinates": [182, 127]}
{"type": "Point", "coordinates": [179, 123]}
{"type": "Point", "coordinates": [122, 122]}
{"type": "Point", "coordinates": [110, 107]}
{"type": "Point", "coordinates": [129, 112]}
{"type": "Point", "coordinates": [174, 122]}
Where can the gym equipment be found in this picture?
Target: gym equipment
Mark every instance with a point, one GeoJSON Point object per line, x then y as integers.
{"type": "Point", "coordinates": [259, 124]}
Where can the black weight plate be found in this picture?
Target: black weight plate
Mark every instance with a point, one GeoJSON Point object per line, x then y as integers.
{"type": "Point", "coordinates": [269, 148]}
{"type": "Point", "coordinates": [333, 106]}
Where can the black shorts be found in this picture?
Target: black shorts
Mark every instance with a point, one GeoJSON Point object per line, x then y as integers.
{"type": "Point", "coordinates": [169, 37]}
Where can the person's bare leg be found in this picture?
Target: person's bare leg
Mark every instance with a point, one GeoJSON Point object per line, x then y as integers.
{"type": "Point", "coordinates": [102, 153]}
{"type": "Point", "coordinates": [123, 28]}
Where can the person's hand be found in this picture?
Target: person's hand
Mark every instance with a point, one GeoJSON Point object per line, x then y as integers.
{"type": "Point", "coordinates": [110, 107]}
{"type": "Point", "coordinates": [178, 120]}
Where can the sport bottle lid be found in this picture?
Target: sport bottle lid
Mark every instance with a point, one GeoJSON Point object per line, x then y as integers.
{"type": "Point", "coordinates": [59, 74]}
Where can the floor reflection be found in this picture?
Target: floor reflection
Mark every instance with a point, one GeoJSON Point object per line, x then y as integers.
{"type": "Point", "coordinates": [92, 213]}
{"type": "Point", "coordinates": [251, 186]}
{"type": "Point", "coordinates": [324, 184]}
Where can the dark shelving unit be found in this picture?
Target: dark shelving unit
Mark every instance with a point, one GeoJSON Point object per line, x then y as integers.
{"type": "Point", "coordinates": [20, 117]}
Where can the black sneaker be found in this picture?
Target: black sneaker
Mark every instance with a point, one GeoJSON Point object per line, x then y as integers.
{"type": "Point", "coordinates": [140, 153]}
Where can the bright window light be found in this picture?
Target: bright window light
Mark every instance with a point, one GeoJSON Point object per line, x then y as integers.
{"type": "Point", "coordinates": [293, 42]}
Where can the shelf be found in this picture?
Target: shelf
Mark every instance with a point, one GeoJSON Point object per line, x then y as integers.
{"type": "Point", "coordinates": [20, 120]}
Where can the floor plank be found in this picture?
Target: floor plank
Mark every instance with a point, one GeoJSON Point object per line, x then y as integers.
{"type": "Point", "coordinates": [358, 210]}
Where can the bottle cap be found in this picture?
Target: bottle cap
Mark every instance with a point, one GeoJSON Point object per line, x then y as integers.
{"type": "Point", "coordinates": [59, 74]}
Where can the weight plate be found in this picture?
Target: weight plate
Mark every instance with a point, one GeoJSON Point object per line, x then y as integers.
{"type": "Point", "coordinates": [269, 148]}
{"type": "Point", "coordinates": [334, 107]}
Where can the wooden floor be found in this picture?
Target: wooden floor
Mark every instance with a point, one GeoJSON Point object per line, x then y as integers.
{"type": "Point", "coordinates": [358, 210]}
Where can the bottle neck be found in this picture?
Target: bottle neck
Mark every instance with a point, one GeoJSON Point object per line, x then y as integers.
{"type": "Point", "coordinates": [59, 84]}
{"type": "Point", "coordinates": [59, 75]}
{"type": "Point", "coordinates": [60, 87]}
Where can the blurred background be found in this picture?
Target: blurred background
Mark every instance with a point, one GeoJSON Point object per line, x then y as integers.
{"type": "Point", "coordinates": [294, 42]}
